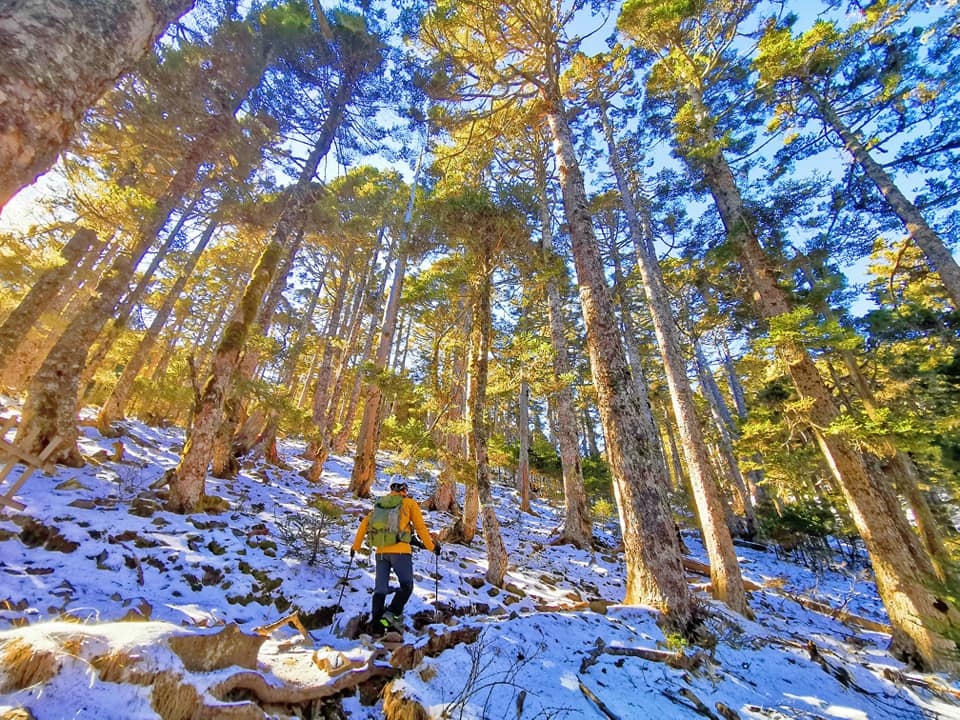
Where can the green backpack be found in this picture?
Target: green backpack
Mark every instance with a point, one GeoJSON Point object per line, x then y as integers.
{"type": "Point", "coordinates": [383, 527]}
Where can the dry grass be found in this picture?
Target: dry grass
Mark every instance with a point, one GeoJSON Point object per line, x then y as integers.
{"type": "Point", "coordinates": [24, 666]}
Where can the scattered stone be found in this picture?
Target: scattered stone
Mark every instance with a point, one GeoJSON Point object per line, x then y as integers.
{"type": "Point", "coordinates": [71, 484]}
{"type": "Point", "coordinates": [83, 504]}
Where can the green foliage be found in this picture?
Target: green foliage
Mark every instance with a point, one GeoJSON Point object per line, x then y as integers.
{"type": "Point", "coordinates": [811, 518]}
{"type": "Point", "coordinates": [597, 480]}
{"type": "Point", "coordinates": [603, 510]}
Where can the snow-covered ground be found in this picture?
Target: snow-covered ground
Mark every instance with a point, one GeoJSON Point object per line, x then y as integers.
{"type": "Point", "coordinates": [94, 568]}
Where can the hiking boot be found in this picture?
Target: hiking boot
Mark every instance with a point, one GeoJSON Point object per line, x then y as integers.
{"type": "Point", "coordinates": [390, 621]}
{"type": "Point", "coordinates": [378, 628]}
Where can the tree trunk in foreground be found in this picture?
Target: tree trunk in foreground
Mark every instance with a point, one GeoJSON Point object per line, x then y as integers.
{"type": "Point", "coordinates": [57, 57]}
{"type": "Point", "coordinates": [725, 578]}
{"type": "Point", "coordinates": [654, 569]}
{"type": "Point", "coordinates": [189, 481]}
{"type": "Point", "coordinates": [577, 527]}
{"type": "Point", "coordinates": [904, 573]}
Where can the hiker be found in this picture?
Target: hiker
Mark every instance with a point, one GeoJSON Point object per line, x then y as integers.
{"type": "Point", "coordinates": [387, 529]}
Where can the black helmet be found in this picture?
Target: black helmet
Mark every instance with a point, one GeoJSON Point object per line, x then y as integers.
{"type": "Point", "coordinates": [398, 487]}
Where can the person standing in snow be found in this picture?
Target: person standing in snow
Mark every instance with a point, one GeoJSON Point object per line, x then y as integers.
{"type": "Point", "coordinates": [387, 528]}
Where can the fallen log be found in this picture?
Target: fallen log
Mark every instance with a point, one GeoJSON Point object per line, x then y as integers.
{"type": "Point", "coordinates": [591, 696]}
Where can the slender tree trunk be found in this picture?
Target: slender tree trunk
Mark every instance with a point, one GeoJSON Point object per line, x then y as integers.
{"type": "Point", "coordinates": [342, 439]}
{"type": "Point", "coordinates": [187, 486]}
{"type": "Point", "coordinates": [18, 323]}
{"type": "Point", "coordinates": [365, 461]}
{"type": "Point", "coordinates": [929, 241]}
{"type": "Point", "coordinates": [726, 431]}
{"type": "Point", "coordinates": [115, 406]}
{"type": "Point", "coordinates": [48, 407]}
{"type": "Point", "coordinates": [654, 567]}
{"type": "Point", "coordinates": [577, 525]}
{"type": "Point", "coordinates": [368, 440]}
{"type": "Point", "coordinates": [123, 311]}
{"type": "Point", "coordinates": [725, 578]}
{"type": "Point", "coordinates": [497, 559]}
{"type": "Point", "coordinates": [267, 437]}
{"type": "Point", "coordinates": [452, 441]}
{"type": "Point", "coordinates": [57, 58]}
{"type": "Point", "coordinates": [523, 464]}
{"type": "Point", "coordinates": [904, 573]}
{"type": "Point", "coordinates": [320, 442]}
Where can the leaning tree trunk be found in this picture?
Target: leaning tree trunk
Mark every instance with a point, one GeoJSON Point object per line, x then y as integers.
{"type": "Point", "coordinates": [900, 466]}
{"type": "Point", "coordinates": [125, 308]}
{"type": "Point", "coordinates": [368, 440]}
{"type": "Point", "coordinates": [51, 404]}
{"type": "Point", "coordinates": [929, 241]}
{"type": "Point", "coordinates": [187, 485]}
{"type": "Point", "coordinates": [57, 57]}
{"type": "Point", "coordinates": [114, 407]}
{"type": "Point", "coordinates": [654, 568]}
{"type": "Point", "coordinates": [497, 559]}
{"type": "Point", "coordinates": [577, 527]}
{"type": "Point", "coordinates": [23, 317]}
{"type": "Point", "coordinates": [725, 578]}
{"type": "Point", "coordinates": [922, 621]}
{"type": "Point", "coordinates": [88, 323]}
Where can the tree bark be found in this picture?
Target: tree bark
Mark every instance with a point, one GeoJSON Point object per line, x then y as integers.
{"type": "Point", "coordinates": [497, 559]}
{"type": "Point", "coordinates": [726, 582]}
{"type": "Point", "coordinates": [904, 573]}
{"type": "Point", "coordinates": [189, 481]}
{"type": "Point", "coordinates": [57, 57]}
{"type": "Point", "coordinates": [577, 525]}
{"type": "Point", "coordinates": [929, 241]}
{"type": "Point", "coordinates": [654, 569]}
{"type": "Point", "coordinates": [51, 404]}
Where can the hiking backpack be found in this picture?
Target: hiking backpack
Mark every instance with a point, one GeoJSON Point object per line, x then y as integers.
{"type": "Point", "coordinates": [383, 528]}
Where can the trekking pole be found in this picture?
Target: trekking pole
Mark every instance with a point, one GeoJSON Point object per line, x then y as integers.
{"type": "Point", "coordinates": [343, 587]}
{"type": "Point", "coordinates": [436, 587]}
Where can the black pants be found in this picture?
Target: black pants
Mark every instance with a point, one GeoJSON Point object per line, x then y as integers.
{"type": "Point", "coordinates": [402, 565]}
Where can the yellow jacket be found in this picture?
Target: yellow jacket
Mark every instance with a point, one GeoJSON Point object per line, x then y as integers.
{"type": "Point", "coordinates": [409, 515]}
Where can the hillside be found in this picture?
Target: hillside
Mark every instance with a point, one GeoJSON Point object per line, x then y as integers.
{"type": "Point", "coordinates": [115, 608]}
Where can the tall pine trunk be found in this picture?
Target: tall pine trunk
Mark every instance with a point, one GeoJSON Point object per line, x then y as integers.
{"type": "Point", "coordinates": [654, 567]}
{"type": "Point", "coordinates": [577, 526]}
{"type": "Point", "coordinates": [725, 578]}
{"type": "Point", "coordinates": [904, 573]}
{"type": "Point", "coordinates": [57, 57]}
{"type": "Point", "coordinates": [497, 559]}
{"type": "Point", "coordinates": [188, 483]}
{"type": "Point", "coordinates": [926, 238]}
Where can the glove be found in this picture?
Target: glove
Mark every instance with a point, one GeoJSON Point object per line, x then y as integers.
{"type": "Point", "coordinates": [352, 553]}
{"type": "Point", "coordinates": [436, 548]}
